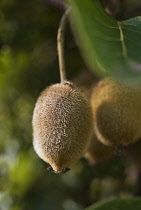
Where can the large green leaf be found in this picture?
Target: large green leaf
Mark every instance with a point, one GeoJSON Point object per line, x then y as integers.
{"type": "Point", "coordinates": [113, 47]}
{"type": "Point", "coordinates": [117, 204]}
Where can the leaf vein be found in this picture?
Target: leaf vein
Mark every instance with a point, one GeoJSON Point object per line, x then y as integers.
{"type": "Point", "coordinates": [124, 50]}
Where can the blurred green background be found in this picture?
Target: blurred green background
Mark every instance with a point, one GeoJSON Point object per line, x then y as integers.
{"type": "Point", "coordinates": [29, 63]}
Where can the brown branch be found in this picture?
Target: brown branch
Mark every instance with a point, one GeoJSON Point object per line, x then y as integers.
{"type": "Point", "coordinates": [60, 46]}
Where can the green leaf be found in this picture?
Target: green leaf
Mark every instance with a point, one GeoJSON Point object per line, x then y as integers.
{"type": "Point", "coordinates": [114, 48]}
{"type": "Point", "coordinates": [117, 204]}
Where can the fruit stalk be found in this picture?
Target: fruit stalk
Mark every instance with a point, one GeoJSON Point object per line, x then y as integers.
{"type": "Point", "coordinates": [60, 46]}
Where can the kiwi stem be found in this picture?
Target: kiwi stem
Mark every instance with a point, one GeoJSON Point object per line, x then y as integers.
{"type": "Point", "coordinates": [60, 45]}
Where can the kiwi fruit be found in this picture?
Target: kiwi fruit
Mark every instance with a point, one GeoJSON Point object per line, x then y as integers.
{"type": "Point", "coordinates": [62, 125]}
{"type": "Point", "coordinates": [117, 112]}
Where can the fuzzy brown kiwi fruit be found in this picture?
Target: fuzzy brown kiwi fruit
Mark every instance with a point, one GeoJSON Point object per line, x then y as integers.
{"type": "Point", "coordinates": [117, 112]}
{"type": "Point", "coordinates": [62, 125]}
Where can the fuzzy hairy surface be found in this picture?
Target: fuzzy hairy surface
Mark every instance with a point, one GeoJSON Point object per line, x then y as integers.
{"type": "Point", "coordinates": [117, 112]}
{"type": "Point", "coordinates": [62, 125]}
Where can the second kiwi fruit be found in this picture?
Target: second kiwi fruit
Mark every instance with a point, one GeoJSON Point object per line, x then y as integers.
{"type": "Point", "coordinates": [117, 112]}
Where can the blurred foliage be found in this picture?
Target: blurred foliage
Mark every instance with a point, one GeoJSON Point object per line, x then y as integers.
{"type": "Point", "coordinates": [28, 63]}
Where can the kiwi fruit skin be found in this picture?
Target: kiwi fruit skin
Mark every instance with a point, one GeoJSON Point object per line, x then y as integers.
{"type": "Point", "coordinates": [62, 125]}
{"type": "Point", "coordinates": [117, 112]}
